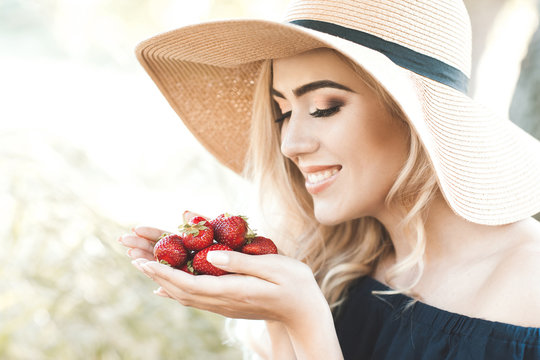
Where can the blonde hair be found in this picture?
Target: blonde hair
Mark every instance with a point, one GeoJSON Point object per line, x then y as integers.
{"type": "Point", "coordinates": [337, 254]}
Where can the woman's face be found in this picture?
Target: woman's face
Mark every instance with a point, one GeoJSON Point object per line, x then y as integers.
{"type": "Point", "coordinates": [338, 133]}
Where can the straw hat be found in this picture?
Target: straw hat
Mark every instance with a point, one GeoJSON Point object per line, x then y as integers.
{"type": "Point", "coordinates": [420, 50]}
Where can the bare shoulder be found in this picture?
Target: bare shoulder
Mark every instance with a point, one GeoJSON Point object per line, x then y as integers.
{"type": "Point", "coordinates": [522, 257]}
{"type": "Point", "coordinates": [514, 286]}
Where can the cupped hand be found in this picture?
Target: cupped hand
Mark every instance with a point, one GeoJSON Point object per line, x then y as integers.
{"type": "Point", "coordinates": [265, 287]}
{"type": "Point", "coordinates": [272, 287]}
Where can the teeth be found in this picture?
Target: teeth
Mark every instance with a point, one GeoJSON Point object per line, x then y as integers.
{"type": "Point", "coordinates": [317, 177]}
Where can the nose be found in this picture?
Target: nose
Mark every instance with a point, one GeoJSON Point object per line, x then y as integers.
{"type": "Point", "coordinates": [298, 137]}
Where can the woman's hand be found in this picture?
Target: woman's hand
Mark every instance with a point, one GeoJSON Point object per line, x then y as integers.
{"type": "Point", "coordinates": [275, 288]}
{"type": "Point", "coordinates": [268, 287]}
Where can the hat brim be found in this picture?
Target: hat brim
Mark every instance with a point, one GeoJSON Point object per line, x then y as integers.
{"type": "Point", "coordinates": [486, 166]}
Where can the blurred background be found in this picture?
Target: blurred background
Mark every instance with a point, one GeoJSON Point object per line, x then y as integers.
{"type": "Point", "coordinates": [89, 149]}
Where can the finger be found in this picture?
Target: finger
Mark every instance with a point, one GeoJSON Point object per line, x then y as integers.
{"type": "Point", "coordinates": [137, 263]}
{"type": "Point", "coordinates": [192, 290]}
{"type": "Point", "coordinates": [271, 267]}
{"type": "Point", "coordinates": [185, 298]}
{"type": "Point", "coordinates": [160, 271]}
{"type": "Point", "coordinates": [162, 292]}
{"type": "Point", "coordinates": [174, 283]}
{"type": "Point", "coordinates": [149, 233]}
{"type": "Point", "coordinates": [134, 241]}
{"type": "Point", "coordinates": [135, 253]}
{"type": "Point", "coordinates": [201, 297]}
{"type": "Point", "coordinates": [234, 303]}
{"type": "Point", "coordinates": [204, 285]}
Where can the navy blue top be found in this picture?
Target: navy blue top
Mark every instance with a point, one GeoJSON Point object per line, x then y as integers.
{"type": "Point", "coordinates": [379, 327]}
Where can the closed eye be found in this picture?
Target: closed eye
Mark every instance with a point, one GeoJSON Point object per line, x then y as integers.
{"type": "Point", "coordinates": [317, 113]}
{"type": "Point", "coordinates": [326, 112]}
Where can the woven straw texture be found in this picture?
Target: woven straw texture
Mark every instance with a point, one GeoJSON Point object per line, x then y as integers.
{"type": "Point", "coordinates": [440, 29]}
{"type": "Point", "coordinates": [487, 168]}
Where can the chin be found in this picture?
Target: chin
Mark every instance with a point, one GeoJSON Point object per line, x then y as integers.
{"type": "Point", "coordinates": [329, 218]}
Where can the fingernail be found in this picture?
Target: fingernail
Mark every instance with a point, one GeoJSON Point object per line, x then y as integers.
{"type": "Point", "coordinates": [128, 252]}
{"type": "Point", "coordinates": [159, 292]}
{"type": "Point", "coordinates": [136, 264]}
{"type": "Point", "coordinates": [218, 257]}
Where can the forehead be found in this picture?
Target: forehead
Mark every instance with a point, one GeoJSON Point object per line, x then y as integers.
{"type": "Point", "coordinates": [313, 65]}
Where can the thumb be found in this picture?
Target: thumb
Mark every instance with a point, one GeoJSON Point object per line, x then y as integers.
{"type": "Point", "coordinates": [270, 267]}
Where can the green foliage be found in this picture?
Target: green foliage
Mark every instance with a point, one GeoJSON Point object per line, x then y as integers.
{"type": "Point", "coordinates": [68, 290]}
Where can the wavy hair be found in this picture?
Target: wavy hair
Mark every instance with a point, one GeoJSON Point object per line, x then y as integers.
{"type": "Point", "coordinates": [337, 254]}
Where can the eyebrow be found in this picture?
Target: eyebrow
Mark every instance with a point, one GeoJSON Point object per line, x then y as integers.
{"type": "Point", "coordinates": [299, 91]}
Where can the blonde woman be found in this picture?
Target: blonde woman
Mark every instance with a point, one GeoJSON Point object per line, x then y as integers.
{"type": "Point", "coordinates": [403, 208]}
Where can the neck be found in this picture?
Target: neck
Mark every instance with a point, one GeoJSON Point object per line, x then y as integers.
{"type": "Point", "coordinates": [449, 239]}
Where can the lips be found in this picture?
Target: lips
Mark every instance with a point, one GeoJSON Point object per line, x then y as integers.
{"type": "Point", "coordinates": [318, 178]}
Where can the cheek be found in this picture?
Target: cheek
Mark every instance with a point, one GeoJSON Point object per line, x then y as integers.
{"type": "Point", "coordinates": [377, 154]}
{"type": "Point", "coordinates": [383, 138]}
{"type": "Point", "coordinates": [360, 142]}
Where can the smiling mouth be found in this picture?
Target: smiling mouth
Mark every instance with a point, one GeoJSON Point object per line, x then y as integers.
{"type": "Point", "coordinates": [319, 179]}
{"type": "Point", "coordinates": [320, 176]}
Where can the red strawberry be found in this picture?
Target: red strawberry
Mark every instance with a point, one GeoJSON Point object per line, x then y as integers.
{"type": "Point", "coordinates": [198, 219]}
{"type": "Point", "coordinates": [186, 215]}
{"type": "Point", "coordinates": [198, 235]}
{"type": "Point", "coordinates": [202, 266]}
{"type": "Point", "coordinates": [230, 230]}
{"type": "Point", "coordinates": [169, 250]}
{"type": "Point", "coordinates": [259, 245]}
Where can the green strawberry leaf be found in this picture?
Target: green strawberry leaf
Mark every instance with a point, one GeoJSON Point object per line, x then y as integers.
{"type": "Point", "coordinates": [190, 267]}
{"type": "Point", "coordinates": [251, 233]}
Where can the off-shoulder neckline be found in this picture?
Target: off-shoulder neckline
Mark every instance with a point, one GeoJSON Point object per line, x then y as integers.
{"type": "Point", "coordinates": [422, 313]}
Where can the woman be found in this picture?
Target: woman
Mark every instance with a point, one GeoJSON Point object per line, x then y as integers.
{"type": "Point", "coordinates": [404, 208]}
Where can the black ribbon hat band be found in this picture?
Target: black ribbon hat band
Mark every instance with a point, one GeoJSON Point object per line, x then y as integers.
{"type": "Point", "coordinates": [409, 59]}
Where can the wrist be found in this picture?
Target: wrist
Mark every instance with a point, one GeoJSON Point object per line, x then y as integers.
{"type": "Point", "coordinates": [280, 343]}
{"type": "Point", "coordinates": [312, 334]}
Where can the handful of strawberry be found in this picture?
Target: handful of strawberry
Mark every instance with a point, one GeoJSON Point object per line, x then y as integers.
{"type": "Point", "coordinates": [187, 250]}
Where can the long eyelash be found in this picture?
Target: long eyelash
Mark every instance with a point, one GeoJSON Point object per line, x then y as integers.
{"type": "Point", "coordinates": [283, 117]}
{"type": "Point", "coordinates": [326, 112]}
{"type": "Point", "coordinates": [317, 113]}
